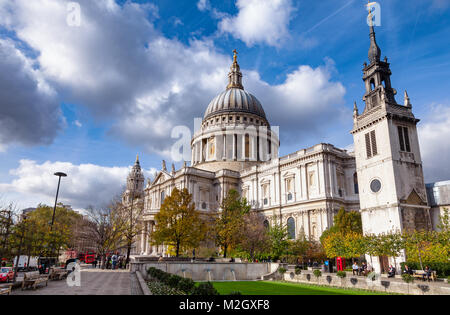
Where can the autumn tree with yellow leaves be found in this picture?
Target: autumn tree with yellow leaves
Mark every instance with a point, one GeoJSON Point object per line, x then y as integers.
{"type": "Point", "coordinates": [178, 223]}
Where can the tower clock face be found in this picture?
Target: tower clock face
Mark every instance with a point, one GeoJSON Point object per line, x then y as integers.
{"type": "Point", "coordinates": [375, 185]}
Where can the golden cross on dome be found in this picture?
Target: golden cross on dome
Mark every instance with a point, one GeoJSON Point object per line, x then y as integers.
{"type": "Point", "coordinates": [235, 55]}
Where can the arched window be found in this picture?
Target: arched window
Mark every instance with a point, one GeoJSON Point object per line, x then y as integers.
{"type": "Point", "coordinates": [355, 183]}
{"type": "Point", "coordinates": [247, 146]}
{"type": "Point", "coordinates": [372, 84]}
{"type": "Point", "coordinates": [163, 195]}
{"type": "Point", "coordinates": [266, 224]}
{"type": "Point", "coordinates": [291, 228]}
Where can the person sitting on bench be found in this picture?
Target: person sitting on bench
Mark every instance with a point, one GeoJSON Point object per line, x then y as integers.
{"type": "Point", "coordinates": [391, 273]}
{"type": "Point", "coordinates": [408, 270]}
{"type": "Point", "coordinates": [427, 273]}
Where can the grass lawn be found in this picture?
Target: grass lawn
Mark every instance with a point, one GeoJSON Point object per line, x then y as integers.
{"type": "Point", "coordinates": [283, 288]}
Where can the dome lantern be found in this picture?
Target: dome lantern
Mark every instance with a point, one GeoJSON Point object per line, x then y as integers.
{"type": "Point", "coordinates": [235, 75]}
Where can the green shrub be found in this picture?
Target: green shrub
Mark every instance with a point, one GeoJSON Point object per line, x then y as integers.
{"type": "Point", "coordinates": [407, 278]}
{"type": "Point", "coordinates": [186, 285]}
{"type": "Point", "coordinates": [298, 270]}
{"type": "Point", "coordinates": [317, 273]}
{"type": "Point", "coordinates": [282, 270]}
{"type": "Point", "coordinates": [173, 281]}
{"type": "Point", "coordinates": [341, 274]}
{"type": "Point", "coordinates": [205, 288]}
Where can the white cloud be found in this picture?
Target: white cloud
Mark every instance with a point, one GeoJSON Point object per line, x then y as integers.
{"type": "Point", "coordinates": [86, 184]}
{"type": "Point", "coordinates": [434, 143]}
{"type": "Point", "coordinates": [29, 112]}
{"type": "Point", "coordinates": [117, 65]}
{"type": "Point", "coordinates": [78, 123]}
{"type": "Point", "coordinates": [203, 5]}
{"type": "Point", "coordinates": [260, 21]}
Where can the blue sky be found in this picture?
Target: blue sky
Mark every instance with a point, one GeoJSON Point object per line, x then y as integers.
{"type": "Point", "coordinates": [118, 83]}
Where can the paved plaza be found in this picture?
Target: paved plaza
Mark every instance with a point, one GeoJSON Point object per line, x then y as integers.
{"type": "Point", "coordinates": [93, 282]}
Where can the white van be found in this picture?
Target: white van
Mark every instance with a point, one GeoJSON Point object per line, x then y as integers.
{"type": "Point", "coordinates": [23, 262]}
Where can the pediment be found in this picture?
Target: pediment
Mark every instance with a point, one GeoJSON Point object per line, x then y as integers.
{"type": "Point", "coordinates": [288, 174]}
{"type": "Point", "coordinates": [161, 178]}
{"type": "Point", "coordinates": [414, 199]}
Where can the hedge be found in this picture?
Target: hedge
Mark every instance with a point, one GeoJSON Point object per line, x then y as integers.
{"type": "Point", "coordinates": [185, 285]}
{"type": "Point", "coordinates": [442, 269]}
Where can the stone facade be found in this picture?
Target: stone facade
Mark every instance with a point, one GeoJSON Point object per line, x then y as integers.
{"type": "Point", "coordinates": [236, 148]}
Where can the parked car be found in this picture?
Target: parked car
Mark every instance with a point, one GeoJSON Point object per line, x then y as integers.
{"type": "Point", "coordinates": [6, 274]}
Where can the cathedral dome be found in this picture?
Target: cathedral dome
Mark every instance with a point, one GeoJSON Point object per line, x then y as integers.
{"type": "Point", "coordinates": [235, 100]}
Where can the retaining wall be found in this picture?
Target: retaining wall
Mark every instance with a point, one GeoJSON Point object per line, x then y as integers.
{"type": "Point", "coordinates": [202, 271]}
{"type": "Point", "coordinates": [418, 287]}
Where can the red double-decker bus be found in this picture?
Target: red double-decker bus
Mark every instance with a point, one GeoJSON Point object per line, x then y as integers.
{"type": "Point", "coordinates": [86, 257]}
{"type": "Point", "coordinates": [89, 257]}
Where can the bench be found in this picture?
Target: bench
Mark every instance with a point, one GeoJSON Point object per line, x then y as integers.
{"type": "Point", "coordinates": [58, 274]}
{"type": "Point", "coordinates": [32, 279]}
{"type": "Point", "coordinates": [5, 289]}
{"type": "Point", "coordinates": [420, 273]}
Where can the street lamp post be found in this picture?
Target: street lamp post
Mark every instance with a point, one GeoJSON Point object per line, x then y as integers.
{"type": "Point", "coordinates": [59, 174]}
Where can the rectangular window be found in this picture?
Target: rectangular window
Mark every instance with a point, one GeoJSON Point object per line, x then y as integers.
{"type": "Point", "coordinates": [400, 137]}
{"type": "Point", "coordinates": [374, 143]}
{"type": "Point", "coordinates": [403, 137]}
{"type": "Point", "coordinates": [371, 144]}
{"type": "Point", "coordinates": [405, 134]}
{"type": "Point", "coordinates": [368, 150]}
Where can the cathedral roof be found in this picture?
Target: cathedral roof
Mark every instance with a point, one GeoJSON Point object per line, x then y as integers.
{"type": "Point", "coordinates": [235, 98]}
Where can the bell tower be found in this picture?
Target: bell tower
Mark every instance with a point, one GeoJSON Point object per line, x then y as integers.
{"type": "Point", "coordinates": [135, 184]}
{"type": "Point", "coordinates": [389, 165]}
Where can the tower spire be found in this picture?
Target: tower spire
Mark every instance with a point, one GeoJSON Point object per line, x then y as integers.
{"type": "Point", "coordinates": [374, 50]}
{"type": "Point", "coordinates": [407, 100]}
{"type": "Point", "coordinates": [235, 75]}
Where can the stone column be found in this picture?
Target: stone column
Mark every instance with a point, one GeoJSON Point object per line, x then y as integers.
{"type": "Point", "coordinates": [141, 251]}
{"type": "Point", "coordinates": [146, 236]}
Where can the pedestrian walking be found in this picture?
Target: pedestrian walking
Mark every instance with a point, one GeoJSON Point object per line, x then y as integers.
{"type": "Point", "coordinates": [114, 261]}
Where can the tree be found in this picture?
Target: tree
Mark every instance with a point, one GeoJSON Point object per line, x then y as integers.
{"type": "Point", "coordinates": [299, 248]}
{"type": "Point", "coordinates": [178, 223]}
{"type": "Point", "coordinates": [229, 223]}
{"type": "Point", "coordinates": [372, 247]}
{"type": "Point", "coordinates": [39, 238]}
{"type": "Point", "coordinates": [104, 229]}
{"type": "Point", "coordinates": [278, 234]}
{"type": "Point", "coordinates": [255, 240]}
{"type": "Point", "coordinates": [334, 245]}
{"type": "Point", "coordinates": [392, 244]}
{"type": "Point", "coordinates": [344, 222]}
{"type": "Point", "coordinates": [348, 221]}
{"type": "Point", "coordinates": [130, 216]}
{"type": "Point", "coordinates": [6, 227]}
